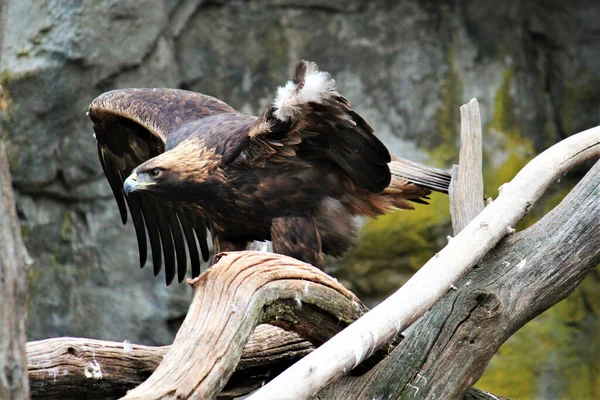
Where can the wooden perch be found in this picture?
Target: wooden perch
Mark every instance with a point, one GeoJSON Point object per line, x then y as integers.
{"type": "Point", "coordinates": [75, 368]}
{"type": "Point", "coordinates": [447, 350]}
{"type": "Point", "coordinates": [347, 349]}
{"type": "Point", "coordinates": [13, 376]}
{"type": "Point", "coordinates": [242, 290]}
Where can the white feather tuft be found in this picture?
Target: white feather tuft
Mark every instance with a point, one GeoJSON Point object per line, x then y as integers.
{"type": "Point", "coordinates": [286, 102]}
{"type": "Point", "coordinates": [318, 86]}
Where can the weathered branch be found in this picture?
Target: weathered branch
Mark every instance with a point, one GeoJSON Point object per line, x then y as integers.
{"type": "Point", "coordinates": [448, 349]}
{"type": "Point", "coordinates": [75, 368]}
{"type": "Point", "coordinates": [243, 290]}
{"type": "Point", "coordinates": [13, 376]}
{"type": "Point", "coordinates": [329, 362]}
{"type": "Point", "coordinates": [466, 186]}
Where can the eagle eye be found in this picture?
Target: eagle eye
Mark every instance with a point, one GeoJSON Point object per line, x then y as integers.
{"type": "Point", "coordinates": [155, 172]}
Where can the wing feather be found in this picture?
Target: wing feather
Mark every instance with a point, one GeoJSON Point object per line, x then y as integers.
{"type": "Point", "coordinates": [166, 239]}
{"type": "Point", "coordinates": [188, 231]}
{"type": "Point", "coordinates": [149, 213]}
{"type": "Point", "coordinates": [115, 182]}
{"type": "Point", "coordinates": [178, 241]}
{"type": "Point", "coordinates": [131, 126]}
{"type": "Point", "coordinates": [200, 228]}
{"type": "Point", "coordinates": [133, 202]}
{"type": "Point", "coordinates": [310, 119]}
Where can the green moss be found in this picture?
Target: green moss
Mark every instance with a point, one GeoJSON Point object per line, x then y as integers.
{"type": "Point", "coordinates": [38, 38]}
{"type": "Point", "coordinates": [276, 45]}
{"type": "Point", "coordinates": [25, 232]}
{"type": "Point", "coordinates": [448, 116]}
{"type": "Point", "coordinates": [33, 275]}
{"type": "Point", "coordinates": [22, 53]}
{"type": "Point", "coordinates": [574, 96]}
{"type": "Point", "coordinates": [503, 118]}
{"type": "Point", "coordinates": [66, 228]}
{"type": "Point", "coordinates": [7, 76]}
{"type": "Point", "coordinates": [505, 129]}
{"type": "Point", "coordinates": [4, 77]}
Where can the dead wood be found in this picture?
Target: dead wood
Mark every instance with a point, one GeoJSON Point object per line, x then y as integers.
{"type": "Point", "coordinates": [442, 355]}
{"type": "Point", "coordinates": [75, 368]}
{"type": "Point", "coordinates": [466, 186]}
{"type": "Point", "coordinates": [448, 349]}
{"type": "Point", "coordinates": [242, 290]}
{"type": "Point", "coordinates": [13, 373]}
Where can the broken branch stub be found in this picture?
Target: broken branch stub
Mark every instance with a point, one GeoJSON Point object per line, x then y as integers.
{"type": "Point", "coordinates": [466, 186]}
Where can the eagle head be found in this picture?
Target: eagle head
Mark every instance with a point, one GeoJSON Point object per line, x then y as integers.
{"type": "Point", "coordinates": [188, 170]}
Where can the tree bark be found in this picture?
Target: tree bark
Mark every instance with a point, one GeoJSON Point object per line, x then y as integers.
{"type": "Point", "coordinates": [231, 298]}
{"type": "Point", "coordinates": [13, 372]}
{"type": "Point", "coordinates": [75, 368]}
{"type": "Point", "coordinates": [448, 349]}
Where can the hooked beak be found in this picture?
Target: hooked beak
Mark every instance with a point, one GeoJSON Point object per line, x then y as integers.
{"type": "Point", "coordinates": [135, 182]}
{"type": "Point", "coordinates": [131, 184]}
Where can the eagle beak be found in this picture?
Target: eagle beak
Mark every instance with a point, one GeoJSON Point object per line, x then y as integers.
{"type": "Point", "coordinates": [130, 184]}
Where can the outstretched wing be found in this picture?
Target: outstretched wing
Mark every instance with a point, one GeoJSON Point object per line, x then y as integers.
{"type": "Point", "coordinates": [132, 126]}
{"type": "Point", "coordinates": [309, 118]}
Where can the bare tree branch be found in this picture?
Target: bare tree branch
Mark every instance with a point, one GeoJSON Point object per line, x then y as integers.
{"type": "Point", "coordinates": [447, 350]}
{"type": "Point", "coordinates": [13, 373]}
{"type": "Point", "coordinates": [333, 359]}
{"type": "Point", "coordinates": [75, 368]}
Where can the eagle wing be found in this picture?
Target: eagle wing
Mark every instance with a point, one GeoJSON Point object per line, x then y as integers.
{"type": "Point", "coordinates": [310, 119]}
{"type": "Point", "coordinates": [135, 125]}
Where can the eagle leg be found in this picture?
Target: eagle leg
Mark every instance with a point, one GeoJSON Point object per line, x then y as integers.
{"type": "Point", "coordinates": [220, 245]}
{"type": "Point", "coordinates": [298, 237]}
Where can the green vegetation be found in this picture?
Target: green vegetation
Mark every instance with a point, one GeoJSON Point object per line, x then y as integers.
{"type": "Point", "coordinates": [66, 228]}
{"type": "Point", "coordinates": [575, 95]}
{"type": "Point", "coordinates": [448, 117]}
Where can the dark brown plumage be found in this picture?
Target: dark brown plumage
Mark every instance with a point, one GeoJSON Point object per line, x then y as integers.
{"type": "Point", "coordinates": [184, 162]}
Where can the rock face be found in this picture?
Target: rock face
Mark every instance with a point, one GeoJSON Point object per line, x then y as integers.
{"type": "Point", "coordinates": [406, 66]}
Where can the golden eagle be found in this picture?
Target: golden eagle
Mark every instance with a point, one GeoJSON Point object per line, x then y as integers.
{"type": "Point", "coordinates": [296, 175]}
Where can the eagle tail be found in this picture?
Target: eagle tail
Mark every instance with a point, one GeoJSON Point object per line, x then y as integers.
{"type": "Point", "coordinates": [425, 176]}
{"type": "Point", "coordinates": [413, 182]}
